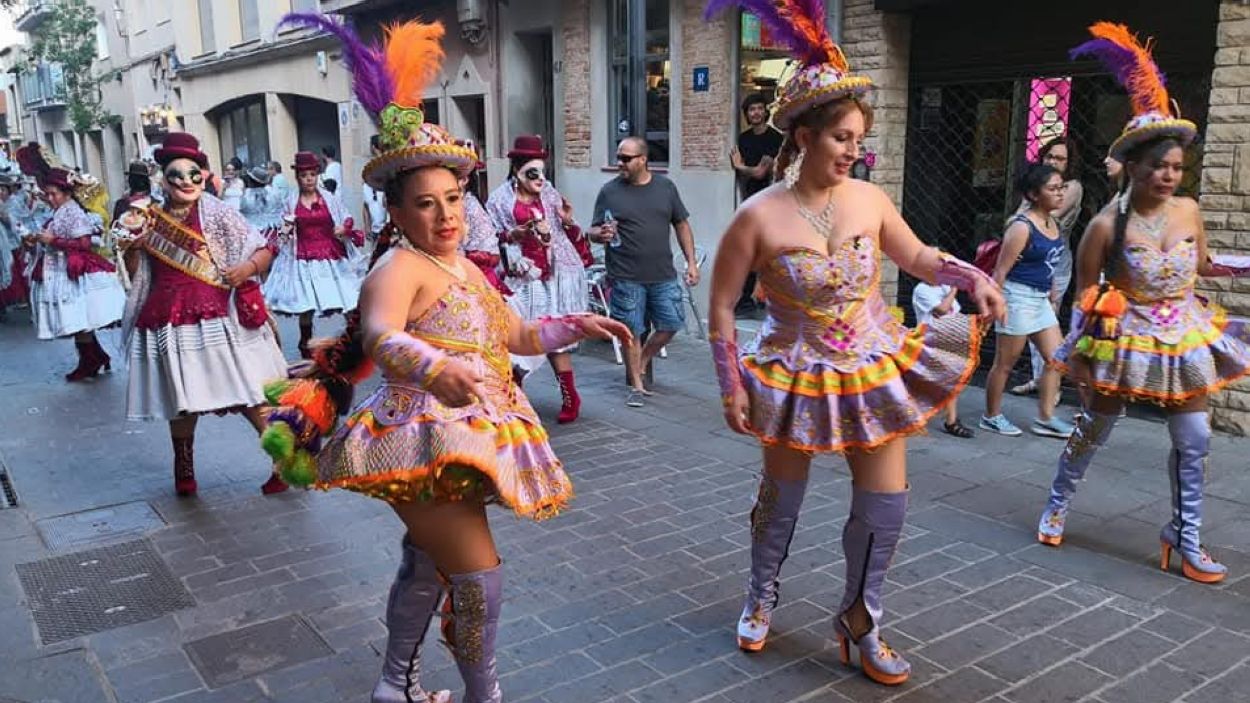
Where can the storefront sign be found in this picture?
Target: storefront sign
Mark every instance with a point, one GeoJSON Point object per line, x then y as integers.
{"type": "Point", "coordinates": [702, 79]}
{"type": "Point", "coordinates": [1049, 103]}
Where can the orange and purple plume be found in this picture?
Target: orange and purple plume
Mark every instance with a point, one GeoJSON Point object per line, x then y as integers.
{"type": "Point", "coordinates": [414, 56]}
{"type": "Point", "coordinates": [1121, 53]}
{"type": "Point", "coordinates": [799, 24]}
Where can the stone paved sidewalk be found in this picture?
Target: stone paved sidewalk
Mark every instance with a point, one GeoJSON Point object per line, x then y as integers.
{"type": "Point", "coordinates": [631, 596]}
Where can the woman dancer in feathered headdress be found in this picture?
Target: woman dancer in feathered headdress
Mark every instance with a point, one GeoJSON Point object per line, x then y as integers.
{"type": "Point", "coordinates": [832, 370]}
{"type": "Point", "coordinates": [448, 431]}
{"type": "Point", "coordinates": [1144, 335]}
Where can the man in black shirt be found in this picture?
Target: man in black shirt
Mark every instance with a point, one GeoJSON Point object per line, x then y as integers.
{"type": "Point", "coordinates": [753, 164]}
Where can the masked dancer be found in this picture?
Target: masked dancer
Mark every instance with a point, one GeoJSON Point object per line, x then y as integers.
{"type": "Point", "coordinates": [1142, 334]}
{"type": "Point", "coordinates": [197, 331]}
{"type": "Point", "coordinates": [832, 369]}
{"type": "Point", "coordinates": [448, 430]}
{"type": "Point", "coordinates": [546, 255]}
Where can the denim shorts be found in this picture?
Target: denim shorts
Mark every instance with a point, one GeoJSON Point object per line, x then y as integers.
{"type": "Point", "coordinates": [1028, 310]}
{"type": "Point", "coordinates": [636, 304]}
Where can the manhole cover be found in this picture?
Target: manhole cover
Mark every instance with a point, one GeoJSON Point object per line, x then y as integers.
{"type": "Point", "coordinates": [91, 527]}
{"type": "Point", "coordinates": [253, 650]}
{"type": "Point", "coordinates": [99, 589]}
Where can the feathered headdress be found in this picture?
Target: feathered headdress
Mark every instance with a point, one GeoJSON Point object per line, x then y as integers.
{"type": "Point", "coordinates": [800, 25]}
{"type": "Point", "coordinates": [389, 79]}
{"type": "Point", "coordinates": [1131, 62]}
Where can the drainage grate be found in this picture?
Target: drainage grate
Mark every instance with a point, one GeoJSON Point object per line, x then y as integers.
{"type": "Point", "coordinates": [127, 521]}
{"type": "Point", "coordinates": [100, 589]}
{"type": "Point", "coordinates": [253, 650]}
{"type": "Point", "coordinates": [8, 495]}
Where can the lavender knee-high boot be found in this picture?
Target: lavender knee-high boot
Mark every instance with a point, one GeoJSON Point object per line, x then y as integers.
{"type": "Point", "coordinates": [773, 519]}
{"type": "Point", "coordinates": [1091, 432]}
{"type": "Point", "coordinates": [412, 603]}
{"type": "Point", "coordinates": [470, 621]}
{"type": "Point", "coordinates": [869, 538]}
{"type": "Point", "coordinates": [1187, 465]}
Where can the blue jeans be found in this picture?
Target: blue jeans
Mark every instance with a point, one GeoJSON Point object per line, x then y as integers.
{"type": "Point", "coordinates": [636, 304]}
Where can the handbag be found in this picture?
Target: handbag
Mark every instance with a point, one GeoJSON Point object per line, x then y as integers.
{"type": "Point", "coordinates": [249, 303]}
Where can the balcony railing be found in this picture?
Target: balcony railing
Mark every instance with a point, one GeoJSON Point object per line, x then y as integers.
{"type": "Point", "coordinates": [43, 86]}
{"type": "Point", "coordinates": [31, 13]}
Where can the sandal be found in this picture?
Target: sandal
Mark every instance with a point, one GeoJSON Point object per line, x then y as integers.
{"type": "Point", "coordinates": [958, 429]}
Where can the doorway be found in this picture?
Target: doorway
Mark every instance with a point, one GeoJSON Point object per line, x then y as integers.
{"type": "Point", "coordinates": [530, 94]}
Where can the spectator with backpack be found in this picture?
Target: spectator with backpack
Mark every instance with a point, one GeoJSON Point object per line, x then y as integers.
{"type": "Point", "coordinates": [1029, 255]}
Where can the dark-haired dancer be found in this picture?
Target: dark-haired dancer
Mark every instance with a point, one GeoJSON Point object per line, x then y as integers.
{"type": "Point", "coordinates": [1143, 334]}
{"type": "Point", "coordinates": [448, 430]}
{"type": "Point", "coordinates": [1033, 246]}
{"type": "Point", "coordinates": [832, 370]}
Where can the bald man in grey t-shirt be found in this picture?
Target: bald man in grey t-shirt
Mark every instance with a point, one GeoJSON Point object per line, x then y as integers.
{"type": "Point", "coordinates": [645, 208]}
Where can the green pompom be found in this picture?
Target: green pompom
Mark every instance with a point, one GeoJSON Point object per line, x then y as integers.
{"type": "Point", "coordinates": [275, 389]}
{"type": "Point", "coordinates": [299, 470]}
{"type": "Point", "coordinates": [278, 441]}
{"type": "Point", "coordinates": [1084, 345]}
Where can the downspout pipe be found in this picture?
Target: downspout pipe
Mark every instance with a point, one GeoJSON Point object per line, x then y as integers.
{"type": "Point", "coordinates": [833, 19]}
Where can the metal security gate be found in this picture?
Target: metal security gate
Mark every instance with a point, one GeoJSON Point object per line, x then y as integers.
{"type": "Point", "coordinates": [986, 93]}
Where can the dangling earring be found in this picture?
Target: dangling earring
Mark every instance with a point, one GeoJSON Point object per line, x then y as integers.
{"type": "Point", "coordinates": [792, 171]}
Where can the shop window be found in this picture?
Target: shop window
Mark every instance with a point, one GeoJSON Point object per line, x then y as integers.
{"type": "Point", "coordinates": [763, 61]}
{"type": "Point", "coordinates": [244, 132]}
{"type": "Point", "coordinates": [640, 74]}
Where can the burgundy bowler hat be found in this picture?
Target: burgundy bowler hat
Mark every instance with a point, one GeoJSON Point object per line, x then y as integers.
{"type": "Point", "coordinates": [180, 145]}
{"type": "Point", "coordinates": [58, 177]}
{"type": "Point", "coordinates": [306, 161]}
{"type": "Point", "coordinates": [528, 146]}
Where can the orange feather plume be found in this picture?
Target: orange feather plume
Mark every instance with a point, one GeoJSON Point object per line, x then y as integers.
{"type": "Point", "coordinates": [413, 59]}
{"type": "Point", "coordinates": [1144, 81]}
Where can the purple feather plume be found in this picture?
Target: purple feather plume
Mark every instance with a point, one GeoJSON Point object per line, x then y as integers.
{"type": "Point", "coordinates": [781, 28]}
{"type": "Point", "coordinates": [370, 80]}
{"type": "Point", "coordinates": [1118, 60]}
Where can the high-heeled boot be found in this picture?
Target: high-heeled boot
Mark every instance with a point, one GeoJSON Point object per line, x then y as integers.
{"type": "Point", "coordinates": [184, 465]}
{"type": "Point", "coordinates": [86, 360]}
{"type": "Point", "coordinates": [572, 402]}
{"type": "Point", "coordinates": [1187, 466]}
{"type": "Point", "coordinates": [100, 356]}
{"type": "Point", "coordinates": [305, 336]}
{"type": "Point", "coordinates": [773, 520]}
{"type": "Point", "coordinates": [409, 609]}
{"type": "Point", "coordinates": [470, 621]}
{"type": "Point", "coordinates": [869, 538]}
{"type": "Point", "coordinates": [1090, 433]}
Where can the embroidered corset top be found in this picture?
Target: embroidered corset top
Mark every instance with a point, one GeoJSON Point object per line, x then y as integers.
{"type": "Point", "coordinates": [826, 309]}
{"type": "Point", "coordinates": [1160, 287]}
{"type": "Point", "coordinates": [470, 324]}
{"type": "Point", "coordinates": [178, 298]}
{"type": "Point", "coordinates": [314, 233]}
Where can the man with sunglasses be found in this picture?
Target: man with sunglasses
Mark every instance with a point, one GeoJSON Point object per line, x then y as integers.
{"type": "Point", "coordinates": [645, 290]}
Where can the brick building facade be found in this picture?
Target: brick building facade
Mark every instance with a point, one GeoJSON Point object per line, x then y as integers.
{"type": "Point", "coordinates": [1225, 195]}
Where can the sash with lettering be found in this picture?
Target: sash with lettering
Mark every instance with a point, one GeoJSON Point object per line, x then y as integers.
{"type": "Point", "coordinates": [182, 247]}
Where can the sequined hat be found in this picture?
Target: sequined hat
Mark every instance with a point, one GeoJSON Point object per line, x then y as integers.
{"type": "Point", "coordinates": [824, 75]}
{"type": "Point", "coordinates": [389, 80]}
{"type": "Point", "coordinates": [1155, 116]}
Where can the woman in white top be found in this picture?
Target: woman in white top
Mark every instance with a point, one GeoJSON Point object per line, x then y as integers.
{"type": "Point", "coordinates": [232, 183]}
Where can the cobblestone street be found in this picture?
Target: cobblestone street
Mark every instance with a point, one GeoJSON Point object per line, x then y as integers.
{"type": "Point", "coordinates": [629, 597]}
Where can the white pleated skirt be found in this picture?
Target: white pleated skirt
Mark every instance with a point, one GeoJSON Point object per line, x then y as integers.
{"type": "Point", "coordinates": [211, 365]}
{"type": "Point", "coordinates": [61, 307]}
{"type": "Point", "coordinates": [312, 285]}
{"type": "Point", "coordinates": [563, 294]}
